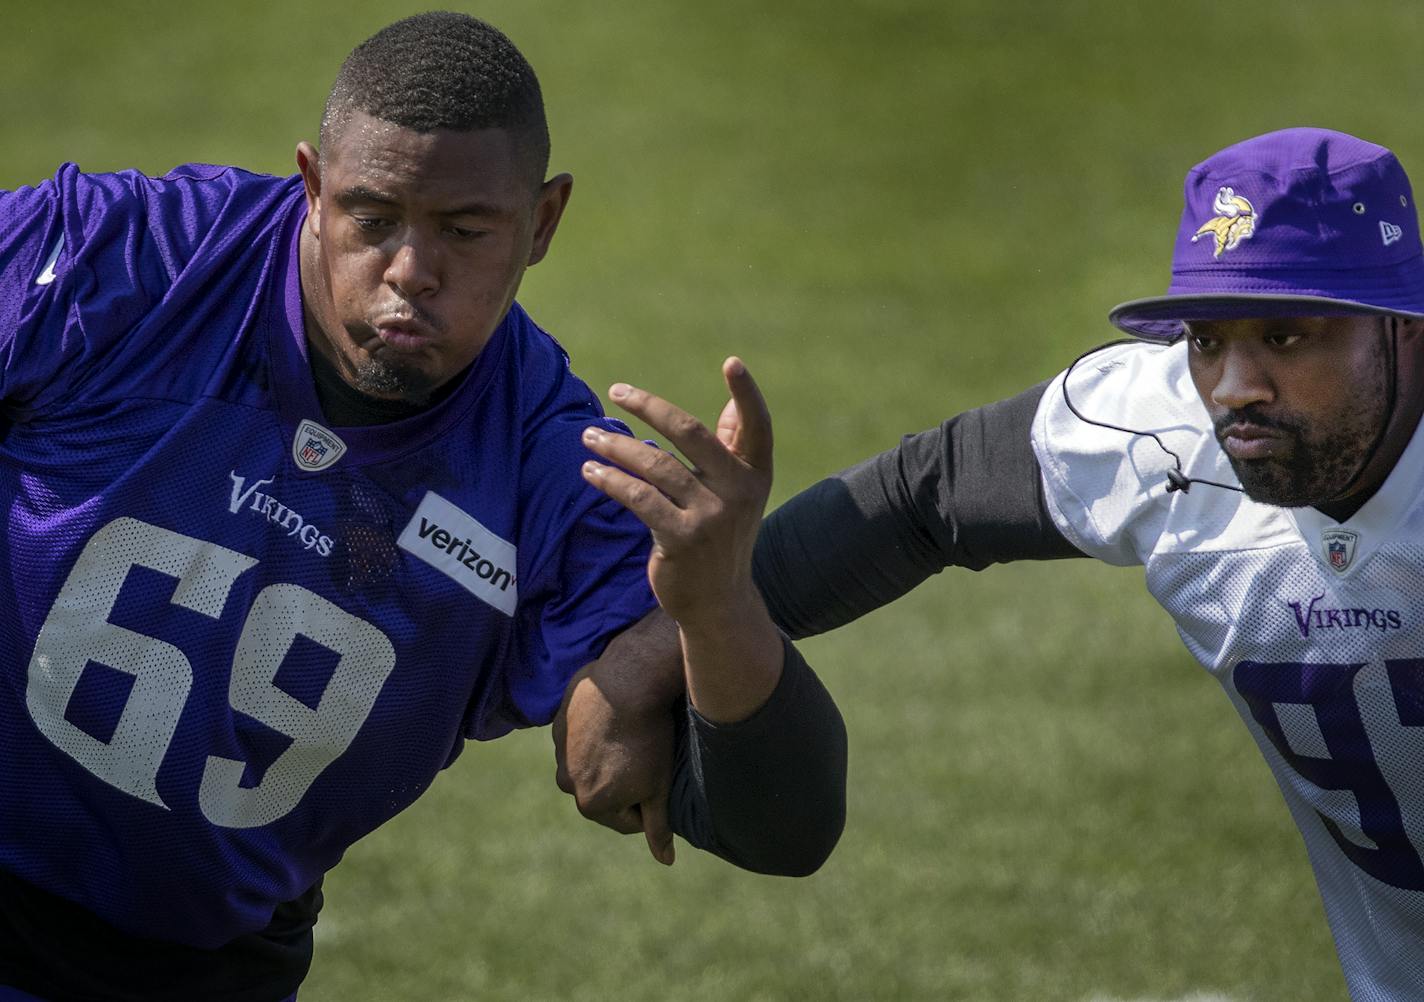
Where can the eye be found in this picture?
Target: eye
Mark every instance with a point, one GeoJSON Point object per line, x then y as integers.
{"type": "Point", "coordinates": [465, 232]}
{"type": "Point", "coordinates": [371, 224]}
{"type": "Point", "coordinates": [1203, 343]}
{"type": "Point", "coordinates": [1283, 340]}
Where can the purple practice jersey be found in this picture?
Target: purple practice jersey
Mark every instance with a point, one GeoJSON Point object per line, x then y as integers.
{"type": "Point", "coordinates": [233, 639]}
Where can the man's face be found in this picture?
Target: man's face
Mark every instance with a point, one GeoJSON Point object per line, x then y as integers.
{"type": "Point", "coordinates": [1297, 403]}
{"type": "Point", "coordinates": [417, 243]}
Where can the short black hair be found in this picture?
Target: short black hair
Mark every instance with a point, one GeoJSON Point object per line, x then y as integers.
{"type": "Point", "coordinates": [442, 70]}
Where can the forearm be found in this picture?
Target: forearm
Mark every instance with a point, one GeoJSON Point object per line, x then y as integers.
{"type": "Point", "coordinates": [967, 493]}
{"type": "Point", "coordinates": [732, 656]}
{"type": "Point", "coordinates": [766, 793]}
{"type": "Point", "coordinates": [727, 662]}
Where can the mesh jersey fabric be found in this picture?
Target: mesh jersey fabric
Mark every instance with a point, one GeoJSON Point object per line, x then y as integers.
{"type": "Point", "coordinates": [1316, 637]}
{"type": "Point", "coordinates": [226, 658]}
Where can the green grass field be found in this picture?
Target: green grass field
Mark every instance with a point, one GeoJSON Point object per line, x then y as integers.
{"type": "Point", "coordinates": [894, 210]}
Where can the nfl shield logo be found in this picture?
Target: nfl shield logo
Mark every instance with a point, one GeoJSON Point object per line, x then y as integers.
{"type": "Point", "coordinates": [312, 451]}
{"type": "Point", "coordinates": [316, 448]}
{"type": "Point", "coordinates": [1339, 548]}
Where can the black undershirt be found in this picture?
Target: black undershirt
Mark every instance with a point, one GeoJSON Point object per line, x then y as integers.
{"type": "Point", "coordinates": [766, 793]}
{"type": "Point", "coordinates": [344, 406]}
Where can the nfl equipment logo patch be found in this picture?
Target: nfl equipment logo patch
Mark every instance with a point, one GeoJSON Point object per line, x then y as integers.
{"type": "Point", "coordinates": [316, 448]}
{"type": "Point", "coordinates": [1339, 548]}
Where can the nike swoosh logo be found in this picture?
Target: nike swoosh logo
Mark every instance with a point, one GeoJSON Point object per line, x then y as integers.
{"type": "Point", "coordinates": [47, 273]}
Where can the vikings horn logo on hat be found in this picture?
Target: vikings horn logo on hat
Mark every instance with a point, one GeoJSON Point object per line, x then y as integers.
{"type": "Point", "coordinates": [1236, 221]}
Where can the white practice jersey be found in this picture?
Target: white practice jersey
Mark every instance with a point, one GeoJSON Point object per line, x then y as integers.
{"type": "Point", "coordinates": [1314, 628]}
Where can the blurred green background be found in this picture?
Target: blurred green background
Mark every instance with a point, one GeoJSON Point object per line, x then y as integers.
{"type": "Point", "coordinates": [894, 210]}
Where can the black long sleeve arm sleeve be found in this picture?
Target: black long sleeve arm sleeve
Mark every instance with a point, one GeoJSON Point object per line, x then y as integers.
{"type": "Point", "coordinates": [967, 493]}
{"type": "Point", "coordinates": [767, 793]}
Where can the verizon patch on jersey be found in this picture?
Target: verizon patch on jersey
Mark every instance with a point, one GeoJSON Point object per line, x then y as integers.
{"type": "Point", "coordinates": [456, 545]}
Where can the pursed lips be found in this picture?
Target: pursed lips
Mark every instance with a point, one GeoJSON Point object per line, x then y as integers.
{"type": "Point", "coordinates": [403, 333]}
{"type": "Point", "coordinates": [1243, 440]}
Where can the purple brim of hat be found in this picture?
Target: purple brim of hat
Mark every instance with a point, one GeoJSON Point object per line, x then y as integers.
{"type": "Point", "coordinates": [1163, 318]}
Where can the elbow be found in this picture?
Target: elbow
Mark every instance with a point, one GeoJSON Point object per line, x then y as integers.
{"type": "Point", "coordinates": [815, 816]}
{"type": "Point", "coordinates": [796, 857]}
{"type": "Point", "coordinates": [806, 828]}
{"type": "Point", "coordinates": [810, 853]}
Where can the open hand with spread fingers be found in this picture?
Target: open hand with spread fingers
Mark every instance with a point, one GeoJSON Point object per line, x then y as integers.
{"type": "Point", "coordinates": [704, 515]}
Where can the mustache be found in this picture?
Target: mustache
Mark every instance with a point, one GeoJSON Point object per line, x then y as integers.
{"type": "Point", "coordinates": [1254, 416]}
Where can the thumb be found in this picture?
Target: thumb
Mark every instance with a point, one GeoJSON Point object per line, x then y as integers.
{"type": "Point", "coordinates": [656, 830]}
{"type": "Point", "coordinates": [748, 432]}
{"type": "Point", "coordinates": [729, 423]}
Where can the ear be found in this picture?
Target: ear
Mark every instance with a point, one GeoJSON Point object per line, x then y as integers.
{"type": "Point", "coordinates": [309, 165]}
{"type": "Point", "coordinates": [549, 208]}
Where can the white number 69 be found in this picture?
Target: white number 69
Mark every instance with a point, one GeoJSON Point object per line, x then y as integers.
{"type": "Point", "coordinates": [78, 631]}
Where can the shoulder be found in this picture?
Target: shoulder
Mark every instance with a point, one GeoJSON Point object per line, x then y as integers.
{"type": "Point", "coordinates": [554, 406]}
{"type": "Point", "coordinates": [177, 211]}
{"type": "Point", "coordinates": [1106, 487]}
{"type": "Point", "coordinates": [209, 208]}
{"type": "Point", "coordinates": [131, 231]}
{"type": "Point", "coordinates": [548, 384]}
{"type": "Point", "coordinates": [86, 258]}
{"type": "Point", "coordinates": [1134, 384]}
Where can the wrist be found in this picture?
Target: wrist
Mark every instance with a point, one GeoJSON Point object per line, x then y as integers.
{"type": "Point", "coordinates": [740, 610]}
{"type": "Point", "coordinates": [733, 660]}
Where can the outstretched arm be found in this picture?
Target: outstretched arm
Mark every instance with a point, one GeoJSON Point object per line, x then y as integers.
{"type": "Point", "coordinates": [967, 493]}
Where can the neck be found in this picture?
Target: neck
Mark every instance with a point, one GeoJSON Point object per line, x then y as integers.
{"type": "Point", "coordinates": [1399, 429]}
{"type": "Point", "coordinates": [314, 293]}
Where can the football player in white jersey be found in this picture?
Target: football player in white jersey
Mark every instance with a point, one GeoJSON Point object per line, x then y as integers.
{"type": "Point", "coordinates": [1256, 448]}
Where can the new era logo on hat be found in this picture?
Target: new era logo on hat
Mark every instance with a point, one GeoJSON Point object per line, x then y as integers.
{"type": "Point", "coordinates": [1302, 222]}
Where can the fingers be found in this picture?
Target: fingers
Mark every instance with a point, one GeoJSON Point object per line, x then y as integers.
{"type": "Point", "coordinates": [641, 498]}
{"type": "Point", "coordinates": [625, 822]}
{"type": "Point", "coordinates": [650, 818]}
{"type": "Point", "coordinates": [647, 462]}
{"type": "Point", "coordinates": [690, 435]}
{"type": "Point", "coordinates": [655, 828]}
{"type": "Point", "coordinates": [749, 420]}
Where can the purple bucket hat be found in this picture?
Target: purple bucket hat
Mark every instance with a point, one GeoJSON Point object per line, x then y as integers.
{"type": "Point", "coordinates": [1301, 222]}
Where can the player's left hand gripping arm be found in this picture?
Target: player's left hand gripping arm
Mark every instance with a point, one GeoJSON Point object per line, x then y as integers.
{"type": "Point", "coordinates": [761, 763]}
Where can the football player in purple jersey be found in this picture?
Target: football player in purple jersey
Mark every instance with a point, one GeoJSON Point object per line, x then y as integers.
{"type": "Point", "coordinates": [298, 499]}
{"type": "Point", "coordinates": [1257, 447]}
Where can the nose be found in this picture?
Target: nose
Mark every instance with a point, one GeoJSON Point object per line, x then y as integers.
{"type": "Point", "coordinates": [1241, 379]}
{"type": "Point", "coordinates": [413, 270]}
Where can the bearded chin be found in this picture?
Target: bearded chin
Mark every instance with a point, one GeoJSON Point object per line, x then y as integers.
{"type": "Point", "coordinates": [380, 379]}
{"type": "Point", "coordinates": [1285, 485]}
{"type": "Point", "coordinates": [1313, 475]}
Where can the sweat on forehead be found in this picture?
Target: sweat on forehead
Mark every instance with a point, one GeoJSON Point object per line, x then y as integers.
{"type": "Point", "coordinates": [442, 71]}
